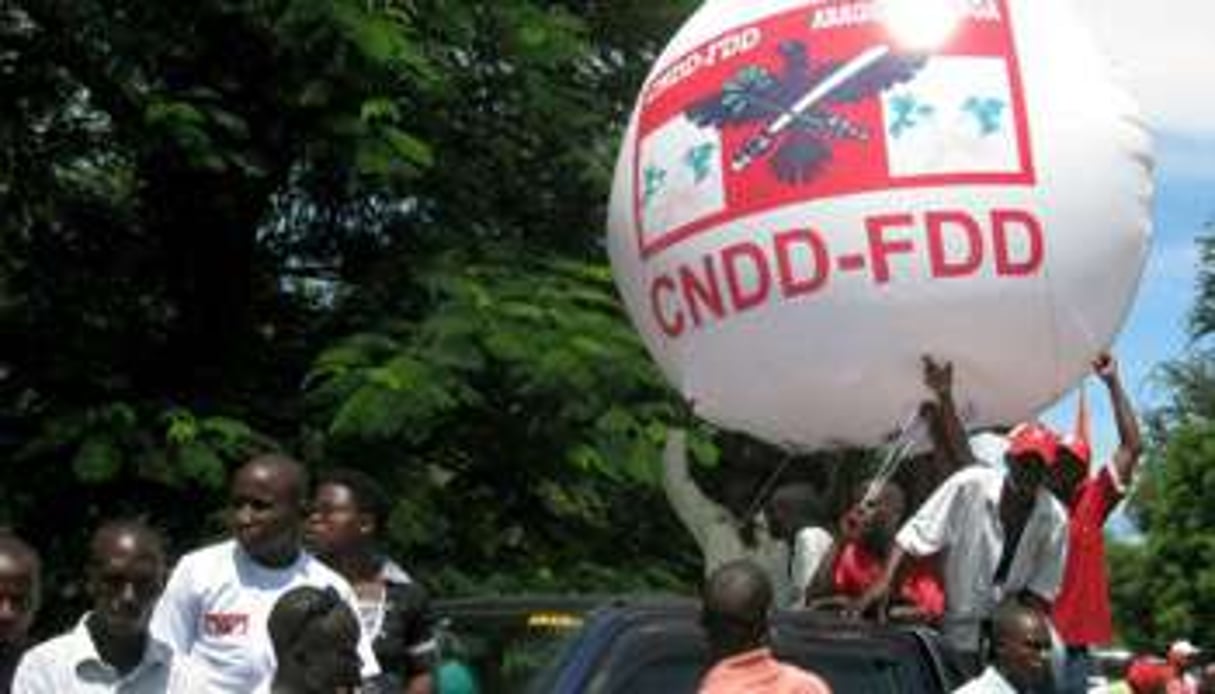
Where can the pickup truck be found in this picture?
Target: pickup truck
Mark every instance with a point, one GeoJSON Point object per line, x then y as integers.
{"type": "Point", "coordinates": [636, 645]}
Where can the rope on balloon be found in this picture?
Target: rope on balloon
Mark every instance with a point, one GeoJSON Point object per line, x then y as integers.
{"type": "Point", "coordinates": [908, 435]}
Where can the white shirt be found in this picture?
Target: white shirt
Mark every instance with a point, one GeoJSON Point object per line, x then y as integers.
{"type": "Point", "coordinates": [810, 546]}
{"type": "Point", "coordinates": [70, 664]}
{"type": "Point", "coordinates": [962, 518]}
{"type": "Point", "coordinates": [716, 530]}
{"type": "Point", "coordinates": [216, 605]}
{"type": "Point", "coordinates": [989, 682]}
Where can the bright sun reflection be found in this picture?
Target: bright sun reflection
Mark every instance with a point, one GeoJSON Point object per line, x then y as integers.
{"type": "Point", "coordinates": [920, 25]}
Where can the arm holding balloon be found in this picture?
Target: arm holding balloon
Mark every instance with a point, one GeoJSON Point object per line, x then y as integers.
{"type": "Point", "coordinates": [949, 436]}
{"type": "Point", "coordinates": [696, 511]}
{"type": "Point", "coordinates": [1130, 444]}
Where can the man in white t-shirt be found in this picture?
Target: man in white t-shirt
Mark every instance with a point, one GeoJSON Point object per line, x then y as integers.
{"type": "Point", "coordinates": [216, 605]}
{"type": "Point", "coordinates": [110, 649]}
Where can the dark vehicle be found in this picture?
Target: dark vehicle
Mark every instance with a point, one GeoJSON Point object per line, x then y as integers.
{"type": "Point", "coordinates": [590, 645]}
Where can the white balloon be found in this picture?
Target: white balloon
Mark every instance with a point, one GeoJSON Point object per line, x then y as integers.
{"type": "Point", "coordinates": [812, 194]}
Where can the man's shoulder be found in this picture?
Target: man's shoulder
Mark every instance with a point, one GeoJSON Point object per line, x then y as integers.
{"type": "Point", "coordinates": [60, 652]}
{"type": "Point", "coordinates": [221, 551]}
{"type": "Point", "coordinates": [207, 565]}
{"type": "Point", "coordinates": [971, 481]}
{"type": "Point", "coordinates": [802, 681]}
{"type": "Point", "coordinates": [313, 571]}
{"type": "Point", "coordinates": [975, 474]}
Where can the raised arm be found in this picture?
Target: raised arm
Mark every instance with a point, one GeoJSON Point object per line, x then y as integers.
{"type": "Point", "coordinates": [1130, 444]}
{"type": "Point", "coordinates": [695, 510]}
{"type": "Point", "coordinates": [949, 436]}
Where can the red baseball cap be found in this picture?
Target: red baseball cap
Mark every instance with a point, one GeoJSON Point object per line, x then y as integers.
{"type": "Point", "coordinates": [1147, 675]}
{"type": "Point", "coordinates": [1033, 438]}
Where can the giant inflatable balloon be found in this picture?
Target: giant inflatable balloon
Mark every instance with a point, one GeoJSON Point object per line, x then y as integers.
{"type": "Point", "coordinates": [811, 194]}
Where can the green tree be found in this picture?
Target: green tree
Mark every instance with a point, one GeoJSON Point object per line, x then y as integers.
{"type": "Point", "coordinates": [359, 230]}
{"type": "Point", "coordinates": [1165, 588]}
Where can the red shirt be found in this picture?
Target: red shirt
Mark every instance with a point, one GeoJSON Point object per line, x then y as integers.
{"type": "Point", "coordinates": [1082, 609]}
{"type": "Point", "coordinates": [856, 568]}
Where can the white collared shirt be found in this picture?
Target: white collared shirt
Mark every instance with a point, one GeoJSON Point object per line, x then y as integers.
{"type": "Point", "coordinates": [962, 519]}
{"type": "Point", "coordinates": [989, 682]}
{"type": "Point", "coordinates": [70, 664]}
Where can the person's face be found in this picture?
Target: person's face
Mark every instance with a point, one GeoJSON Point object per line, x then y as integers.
{"type": "Point", "coordinates": [328, 654]}
{"type": "Point", "coordinates": [266, 515]}
{"type": "Point", "coordinates": [336, 524]}
{"type": "Point", "coordinates": [124, 579]}
{"type": "Point", "coordinates": [1068, 474]}
{"type": "Point", "coordinates": [877, 515]}
{"type": "Point", "coordinates": [1026, 473]}
{"type": "Point", "coordinates": [1025, 653]}
{"type": "Point", "coordinates": [18, 597]}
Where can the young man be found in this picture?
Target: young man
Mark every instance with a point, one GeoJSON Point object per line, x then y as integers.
{"type": "Point", "coordinates": [20, 593]}
{"type": "Point", "coordinates": [348, 510]}
{"type": "Point", "coordinates": [737, 601]}
{"type": "Point", "coordinates": [858, 556]}
{"type": "Point", "coordinates": [315, 637]}
{"type": "Point", "coordinates": [1002, 533]}
{"type": "Point", "coordinates": [851, 562]}
{"type": "Point", "coordinates": [215, 606]}
{"type": "Point", "coordinates": [110, 650]}
{"type": "Point", "coordinates": [1020, 652]}
{"type": "Point", "coordinates": [1082, 610]}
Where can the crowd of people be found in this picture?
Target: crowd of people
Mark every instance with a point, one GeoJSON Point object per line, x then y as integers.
{"type": "Point", "coordinates": [299, 600]}
{"type": "Point", "coordinates": [1005, 558]}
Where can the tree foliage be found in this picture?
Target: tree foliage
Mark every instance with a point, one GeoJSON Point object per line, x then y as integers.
{"type": "Point", "coordinates": [365, 232]}
{"type": "Point", "coordinates": [1165, 588]}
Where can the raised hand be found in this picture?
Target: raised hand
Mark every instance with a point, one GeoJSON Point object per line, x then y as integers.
{"type": "Point", "coordinates": [1105, 366]}
{"type": "Point", "coordinates": [938, 376]}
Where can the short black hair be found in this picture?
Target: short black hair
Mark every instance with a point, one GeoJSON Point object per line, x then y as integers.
{"type": "Point", "coordinates": [298, 474]}
{"type": "Point", "coordinates": [368, 495]}
{"type": "Point", "coordinates": [297, 611]}
{"type": "Point", "coordinates": [735, 604]}
{"type": "Point", "coordinates": [137, 527]}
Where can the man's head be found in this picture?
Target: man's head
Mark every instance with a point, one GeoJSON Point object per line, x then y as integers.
{"type": "Point", "coordinates": [348, 510]}
{"type": "Point", "coordinates": [1073, 456]}
{"type": "Point", "coordinates": [736, 602]}
{"type": "Point", "coordinates": [1181, 654]}
{"type": "Point", "coordinates": [791, 506]}
{"type": "Point", "coordinates": [267, 508]}
{"type": "Point", "coordinates": [20, 588]}
{"type": "Point", "coordinates": [1021, 644]}
{"type": "Point", "coordinates": [1149, 675]}
{"type": "Point", "coordinates": [124, 576]}
{"type": "Point", "coordinates": [1031, 457]}
{"type": "Point", "coordinates": [876, 514]}
{"type": "Point", "coordinates": [315, 636]}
